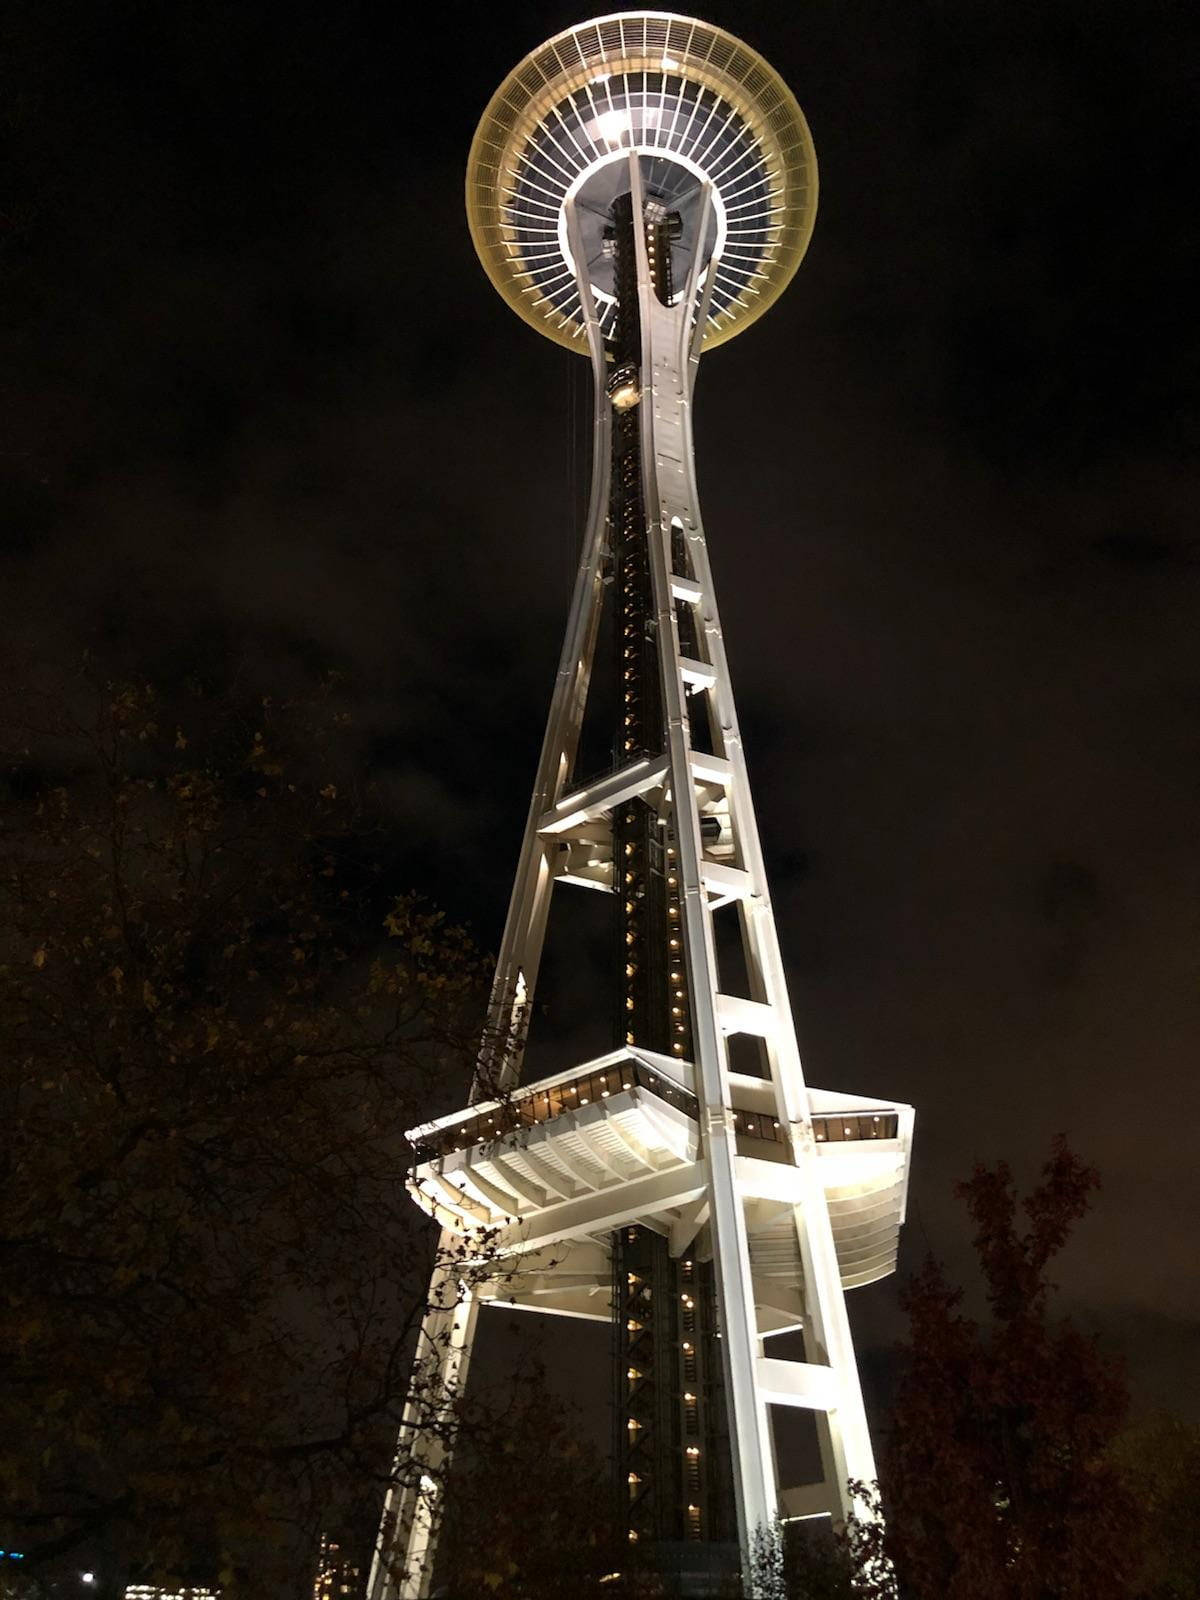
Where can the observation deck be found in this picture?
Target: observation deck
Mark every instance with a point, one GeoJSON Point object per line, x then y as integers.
{"type": "Point", "coordinates": [548, 1173]}
{"type": "Point", "coordinates": [698, 106]}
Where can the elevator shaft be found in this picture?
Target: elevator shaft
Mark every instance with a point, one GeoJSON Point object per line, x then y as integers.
{"type": "Point", "coordinates": [671, 1447]}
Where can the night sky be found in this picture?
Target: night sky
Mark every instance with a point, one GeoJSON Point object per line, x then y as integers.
{"type": "Point", "coordinates": [264, 413]}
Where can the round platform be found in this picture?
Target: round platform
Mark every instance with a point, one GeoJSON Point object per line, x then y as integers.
{"type": "Point", "coordinates": [696, 104]}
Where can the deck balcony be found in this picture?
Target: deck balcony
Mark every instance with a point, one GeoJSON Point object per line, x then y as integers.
{"type": "Point", "coordinates": [616, 1140]}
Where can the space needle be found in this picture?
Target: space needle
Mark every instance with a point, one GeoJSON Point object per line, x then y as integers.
{"type": "Point", "coordinates": [640, 189]}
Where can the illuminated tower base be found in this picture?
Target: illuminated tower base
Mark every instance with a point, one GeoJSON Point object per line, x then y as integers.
{"type": "Point", "coordinates": [641, 187]}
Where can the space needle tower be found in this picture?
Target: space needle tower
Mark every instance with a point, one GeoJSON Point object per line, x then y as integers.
{"type": "Point", "coordinates": [640, 189]}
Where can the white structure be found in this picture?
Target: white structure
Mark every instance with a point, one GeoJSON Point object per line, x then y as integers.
{"type": "Point", "coordinates": [641, 188]}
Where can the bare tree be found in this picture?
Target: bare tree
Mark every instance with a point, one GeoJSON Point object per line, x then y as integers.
{"type": "Point", "coordinates": [213, 1029]}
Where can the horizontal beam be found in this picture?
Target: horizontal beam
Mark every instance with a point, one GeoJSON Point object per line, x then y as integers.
{"type": "Point", "coordinates": [798, 1383]}
{"type": "Point", "coordinates": [737, 1015]}
{"type": "Point", "coordinates": [711, 769]}
{"type": "Point", "coordinates": [581, 805]}
{"type": "Point", "coordinates": [697, 674]}
{"type": "Point", "coordinates": [685, 589]}
{"type": "Point", "coordinates": [728, 883]}
{"type": "Point", "coordinates": [605, 1209]}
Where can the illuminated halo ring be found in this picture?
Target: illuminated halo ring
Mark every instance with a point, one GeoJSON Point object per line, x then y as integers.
{"type": "Point", "coordinates": [695, 103]}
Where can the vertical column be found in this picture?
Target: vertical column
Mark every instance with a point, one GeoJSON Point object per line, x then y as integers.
{"type": "Point", "coordinates": [847, 1451]}
{"type": "Point", "coordinates": [402, 1566]}
{"type": "Point", "coordinates": [525, 925]}
{"type": "Point", "coordinates": [666, 333]}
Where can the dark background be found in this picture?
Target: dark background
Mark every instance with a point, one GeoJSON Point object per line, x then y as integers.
{"type": "Point", "coordinates": [264, 415]}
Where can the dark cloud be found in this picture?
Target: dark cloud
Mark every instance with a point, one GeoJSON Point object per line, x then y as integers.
{"type": "Point", "coordinates": [263, 408]}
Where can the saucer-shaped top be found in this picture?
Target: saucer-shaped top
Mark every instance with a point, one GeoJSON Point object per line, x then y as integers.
{"type": "Point", "coordinates": [696, 105]}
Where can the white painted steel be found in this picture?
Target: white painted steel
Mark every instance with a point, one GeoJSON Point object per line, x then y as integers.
{"type": "Point", "coordinates": [665, 412]}
{"type": "Point", "coordinates": [525, 925]}
{"type": "Point", "coordinates": [402, 1566]}
{"type": "Point", "coordinates": [786, 1233]}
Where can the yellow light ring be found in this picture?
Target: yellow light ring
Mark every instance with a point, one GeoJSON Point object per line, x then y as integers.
{"type": "Point", "coordinates": [631, 42]}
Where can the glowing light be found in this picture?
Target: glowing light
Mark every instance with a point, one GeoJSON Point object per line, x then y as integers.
{"type": "Point", "coordinates": [612, 125]}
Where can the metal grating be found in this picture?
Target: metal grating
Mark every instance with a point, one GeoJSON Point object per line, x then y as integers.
{"type": "Point", "coordinates": [673, 87]}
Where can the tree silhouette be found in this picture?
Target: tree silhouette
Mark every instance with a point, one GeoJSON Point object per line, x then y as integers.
{"type": "Point", "coordinates": [210, 1271]}
{"type": "Point", "coordinates": [997, 1481]}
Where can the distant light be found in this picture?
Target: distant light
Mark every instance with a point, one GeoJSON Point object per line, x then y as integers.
{"type": "Point", "coordinates": [87, 1577]}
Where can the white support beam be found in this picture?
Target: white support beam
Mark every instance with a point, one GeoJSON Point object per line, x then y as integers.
{"type": "Point", "coordinates": [798, 1383]}
{"type": "Point", "coordinates": [548, 1175]}
{"type": "Point", "coordinates": [697, 674]}
{"type": "Point", "coordinates": [687, 1225]}
{"type": "Point", "coordinates": [502, 1200]}
{"type": "Point", "coordinates": [769, 1180]}
{"type": "Point", "coordinates": [453, 1193]}
{"type": "Point", "coordinates": [634, 1145]}
{"type": "Point", "coordinates": [710, 769]}
{"type": "Point", "coordinates": [725, 883]}
{"type": "Point", "coordinates": [532, 1193]}
{"type": "Point", "coordinates": [621, 1170]}
{"type": "Point", "coordinates": [604, 1209]}
{"type": "Point", "coordinates": [588, 1173]}
{"type": "Point", "coordinates": [686, 589]}
{"type": "Point", "coordinates": [581, 805]}
{"type": "Point", "coordinates": [737, 1015]}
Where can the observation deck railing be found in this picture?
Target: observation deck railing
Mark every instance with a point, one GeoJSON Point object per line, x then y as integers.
{"type": "Point", "coordinates": [540, 1103]}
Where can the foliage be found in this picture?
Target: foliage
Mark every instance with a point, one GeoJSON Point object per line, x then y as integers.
{"type": "Point", "coordinates": [997, 1480]}
{"type": "Point", "coordinates": [1159, 1457]}
{"type": "Point", "coordinates": [210, 1271]}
